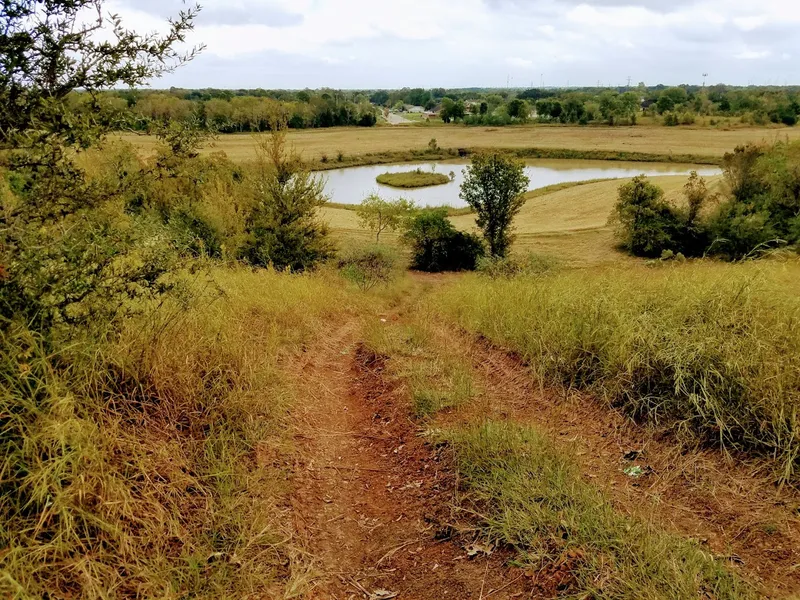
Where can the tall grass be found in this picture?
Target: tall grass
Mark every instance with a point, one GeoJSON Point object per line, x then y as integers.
{"type": "Point", "coordinates": [149, 465]}
{"type": "Point", "coordinates": [710, 351]}
{"type": "Point", "coordinates": [531, 495]}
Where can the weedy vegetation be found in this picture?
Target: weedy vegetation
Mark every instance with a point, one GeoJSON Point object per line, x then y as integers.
{"type": "Point", "coordinates": [706, 350]}
{"type": "Point", "coordinates": [532, 496]}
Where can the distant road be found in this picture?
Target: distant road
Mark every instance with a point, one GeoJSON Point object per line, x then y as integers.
{"type": "Point", "coordinates": [395, 119]}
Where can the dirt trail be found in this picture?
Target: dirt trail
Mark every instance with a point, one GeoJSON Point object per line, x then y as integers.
{"type": "Point", "coordinates": [372, 500]}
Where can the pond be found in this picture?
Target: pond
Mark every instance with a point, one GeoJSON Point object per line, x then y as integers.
{"type": "Point", "coordinates": [352, 184]}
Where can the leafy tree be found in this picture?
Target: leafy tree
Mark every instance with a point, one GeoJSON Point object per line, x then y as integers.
{"type": "Point", "coordinates": [484, 108]}
{"type": "Point", "coordinates": [438, 246]}
{"type": "Point", "coordinates": [665, 104]}
{"type": "Point", "coordinates": [494, 186]}
{"type": "Point", "coordinates": [452, 110]}
{"type": "Point", "coordinates": [609, 106]}
{"type": "Point", "coordinates": [283, 226]}
{"type": "Point", "coordinates": [379, 215]}
{"type": "Point", "coordinates": [380, 98]}
{"type": "Point", "coordinates": [628, 106]}
{"type": "Point", "coordinates": [63, 261]}
{"type": "Point", "coordinates": [647, 224]}
{"type": "Point", "coordinates": [518, 109]}
{"type": "Point", "coordinates": [446, 113]}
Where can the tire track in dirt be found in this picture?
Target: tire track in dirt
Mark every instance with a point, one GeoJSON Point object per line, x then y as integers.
{"type": "Point", "coordinates": [724, 504]}
{"type": "Point", "coordinates": [372, 500]}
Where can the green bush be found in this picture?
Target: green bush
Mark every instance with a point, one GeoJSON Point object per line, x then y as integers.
{"type": "Point", "coordinates": [368, 267]}
{"type": "Point", "coordinates": [438, 246]}
{"type": "Point", "coordinates": [283, 229]}
{"type": "Point", "coordinates": [763, 209]}
{"type": "Point", "coordinates": [646, 223]}
{"type": "Point", "coordinates": [195, 234]}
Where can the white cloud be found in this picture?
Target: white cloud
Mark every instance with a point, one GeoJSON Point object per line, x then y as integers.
{"type": "Point", "coordinates": [523, 63]}
{"type": "Point", "coordinates": [752, 54]}
{"type": "Point", "coordinates": [295, 43]}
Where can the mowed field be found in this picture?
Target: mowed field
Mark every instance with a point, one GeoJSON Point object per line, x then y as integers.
{"type": "Point", "coordinates": [570, 224]}
{"type": "Point", "coordinates": [313, 144]}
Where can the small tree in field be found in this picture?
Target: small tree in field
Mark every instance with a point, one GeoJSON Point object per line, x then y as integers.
{"type": "Point", "coordinates": [379, 215]}
{"type": "Point", "coordinates": [646, 224]}
{"type": "Point", "coordinates": [283, 226]}
{"type": "Point", "coordinates": [494, 186]}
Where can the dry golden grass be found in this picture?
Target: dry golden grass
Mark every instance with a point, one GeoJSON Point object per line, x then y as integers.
{"type": "Point", "coordinates": [656, 140]}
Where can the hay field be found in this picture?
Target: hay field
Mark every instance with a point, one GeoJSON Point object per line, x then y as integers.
{"type": "Point", "coordinates": [357, 141]}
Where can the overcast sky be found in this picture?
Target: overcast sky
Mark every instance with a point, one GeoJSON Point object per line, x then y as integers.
{"type": "Point", "coordinates": [483, 43]}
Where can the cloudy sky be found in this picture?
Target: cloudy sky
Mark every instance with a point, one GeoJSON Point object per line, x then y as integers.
{"type": "Point", "coordinates": [464, 43]}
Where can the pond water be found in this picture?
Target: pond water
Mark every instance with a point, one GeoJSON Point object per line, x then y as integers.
{"type": "Point", "coordinates": [352, 184]}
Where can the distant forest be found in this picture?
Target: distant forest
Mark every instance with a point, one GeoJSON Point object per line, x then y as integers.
{"type": "Point", "coordinates": [233, 111]}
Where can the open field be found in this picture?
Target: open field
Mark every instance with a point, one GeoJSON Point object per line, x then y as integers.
{"type": "Point", "coordinates": [700, 142]}
{"type": "Point", "coordinates": [570, 224]}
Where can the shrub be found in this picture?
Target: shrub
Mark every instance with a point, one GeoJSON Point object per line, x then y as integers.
{"type": "Point", "coordinates": [438, 246]}
{"type": "Point", "coordinates": [368, 267]}
{"type": "Point", "coordinates": [195, 234]}
{"type": "Point", "coordinates": [764, 205]}
{"type": "Point", "coordinates": [282, 228]}
{"type": "Point", "coordinates": [646, 223]}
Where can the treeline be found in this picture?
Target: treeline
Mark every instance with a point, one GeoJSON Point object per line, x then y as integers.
{"type": "Point", "coordinates": [226, 111]}
{"type": "Point", "coordinates": [238, 111]}
{"type": "Point", "coordinates": [681, 105]}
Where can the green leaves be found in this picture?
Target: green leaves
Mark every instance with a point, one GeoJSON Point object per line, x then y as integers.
{"type": "Point", "coordinates": [494, 186]}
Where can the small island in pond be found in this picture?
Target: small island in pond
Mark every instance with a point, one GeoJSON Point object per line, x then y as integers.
{"type": "Point", "coordinates": [412, 179]}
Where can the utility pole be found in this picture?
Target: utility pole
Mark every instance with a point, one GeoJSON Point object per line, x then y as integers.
{"type": "Point", "coordinates": [629, 82]}
{"type": "Point", "coordinates": [704, 79]}
{"type": "Point", "coordinates": [541, 76]}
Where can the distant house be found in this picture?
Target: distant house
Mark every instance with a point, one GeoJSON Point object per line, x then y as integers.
{"type": "Point", "coordinates": [647, 104]}
{"type": "Point", "coordinates": [431, 114]}
{"type": "Point", "coordinates": [415, 109]}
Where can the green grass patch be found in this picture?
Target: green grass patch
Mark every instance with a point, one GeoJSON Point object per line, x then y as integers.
{"type": "Point", "coordinates": [530, 494]}
{"type": "Point", "coordinates": [412, 179]}
{"type": "Point", "coordinates": [707, 350]}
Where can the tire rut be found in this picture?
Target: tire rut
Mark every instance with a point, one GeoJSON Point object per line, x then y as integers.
{"type": "Point", "coordinates": [372, 499]}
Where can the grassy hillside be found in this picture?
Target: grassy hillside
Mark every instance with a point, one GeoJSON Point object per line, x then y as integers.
{"type": "Point", "coordinates": [706, 349]}
{"type": "Point", "coordinates": [147, 469]}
